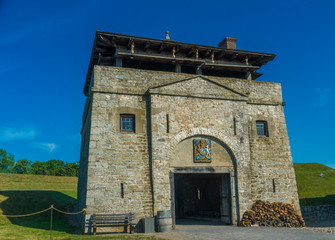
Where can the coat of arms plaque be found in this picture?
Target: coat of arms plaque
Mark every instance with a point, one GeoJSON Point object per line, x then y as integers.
{"type": "Point", "coordinates": [202, 151]}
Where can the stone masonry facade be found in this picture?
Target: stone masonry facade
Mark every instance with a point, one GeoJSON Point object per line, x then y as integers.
{"type": "Point", "coordinates": [170, 110]}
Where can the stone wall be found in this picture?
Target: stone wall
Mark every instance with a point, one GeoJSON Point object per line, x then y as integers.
{"type": "Point", "coordinates": [195, 117]}
{"type": "Point", "coordinates": [138, 81]}
{"type": "Point", "coordinates": [318, 213]}
{"type": "Point", "coordinates": [223, 109]}
{"type": "Point", "coordinates": [117, 158]}
{"type": "Point", "coordinates": [272, 172]}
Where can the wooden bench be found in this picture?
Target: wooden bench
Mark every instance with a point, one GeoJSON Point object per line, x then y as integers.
{"type": "Point", "coordinates": [113, 220]}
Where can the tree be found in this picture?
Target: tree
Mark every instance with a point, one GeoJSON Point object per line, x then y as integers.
{"type": "Point", "coordinates": [71, 169]}
{"type": "Point", "coordinates": [6, 161]}
{"type": "Point", "coordinates": [38, 168]}
{"type": "Point", "coordinates": [55, 167]}
{"type": "Point", "coordinates": [22, 166]}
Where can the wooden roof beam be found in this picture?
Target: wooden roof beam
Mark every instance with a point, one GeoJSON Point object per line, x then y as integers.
{"type": "Point", "coordinates": [177, 48]}
{"type": "Point", "coordinates": [207, 53]}
{"type": "Point", "coordinates": [161, 48]}
{"type": "Point", "coordinates": [191, 52]}
{"type": "Point", "coordinates": [146, 46]}
{"type": "Point", "coordinates": [220, 55]}
{"type": "Point", "coordinates": [259, 61]}
{"type": "Point", "coordinates": [104, 50]}
{"type": "Point", "coordinates": [235, 55]}
{"type": "Point", "coordinates": [105, 42]}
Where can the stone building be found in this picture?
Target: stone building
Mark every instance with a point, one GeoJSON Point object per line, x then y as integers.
{"type": "Point", "coordinates": [175, 126]}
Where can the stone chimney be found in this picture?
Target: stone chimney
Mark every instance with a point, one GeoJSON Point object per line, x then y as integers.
{"type": "Point", "coordinates": [228, 42]}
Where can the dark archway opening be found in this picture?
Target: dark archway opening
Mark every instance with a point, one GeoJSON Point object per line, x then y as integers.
{"type": "Point", "coordinates": [199, 196]}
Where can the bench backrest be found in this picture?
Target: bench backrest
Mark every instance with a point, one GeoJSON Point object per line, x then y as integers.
{"type": "Point", "coordinates": [112, 218]}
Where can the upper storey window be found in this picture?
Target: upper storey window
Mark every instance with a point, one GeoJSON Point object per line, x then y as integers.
{"type": "Point", "coordinates": [262, 128]}
{"type": "Point", "coordinates": [127, 122]}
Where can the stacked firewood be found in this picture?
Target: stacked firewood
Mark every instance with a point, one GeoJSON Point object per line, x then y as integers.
{"type": "Point", "coordinates": [272, 214]}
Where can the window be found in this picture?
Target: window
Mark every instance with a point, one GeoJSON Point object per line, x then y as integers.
{"type": "Point", "coordinates": [273, 185]}
{"type": "Point", "coordinates": [167, 123]}
{"type": "Point", "coordinates": [122, 191]}
{"type": "Point", "coordinates": [127, 122]}
{"type": "Point", "coordinates": [262, 128]}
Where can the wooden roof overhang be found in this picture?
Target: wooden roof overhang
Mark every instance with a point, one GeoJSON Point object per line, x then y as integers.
{"type": "Point", "coordinates": [108, 46]}
{"type": "Point", "coordinates": [187, 61]}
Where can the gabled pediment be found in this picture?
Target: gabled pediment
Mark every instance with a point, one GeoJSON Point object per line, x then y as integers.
{"type": "Point", "coordinates": [198, 87]}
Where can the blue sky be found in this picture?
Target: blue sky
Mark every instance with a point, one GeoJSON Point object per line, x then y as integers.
{"type": "Point", "coordinates": [45, 48]}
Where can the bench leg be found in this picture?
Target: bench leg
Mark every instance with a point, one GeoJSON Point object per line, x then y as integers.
{"type": "Point", "coordinates": [125, 229]}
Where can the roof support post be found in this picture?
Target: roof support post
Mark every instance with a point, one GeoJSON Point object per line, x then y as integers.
{"type": "Point", "coordinates": [248, 75]}
{"type": "Point", "coordinates": [99, 59]}
{"type": "Point", "coordinates": [118, 62]}
{"type": "Point", "coordinates": [178, 68]}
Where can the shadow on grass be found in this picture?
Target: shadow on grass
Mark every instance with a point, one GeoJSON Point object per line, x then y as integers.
{"type": "Point", "coordinates": [327, 200]}
{"type": "Point", "coordinates": [25, 202]}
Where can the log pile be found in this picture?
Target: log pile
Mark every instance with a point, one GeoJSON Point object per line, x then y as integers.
{"type": "Point", "coordinates": [275, 214]}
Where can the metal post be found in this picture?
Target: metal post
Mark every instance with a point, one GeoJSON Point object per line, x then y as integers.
{"type": "Point", "coordinates": [52, 207]}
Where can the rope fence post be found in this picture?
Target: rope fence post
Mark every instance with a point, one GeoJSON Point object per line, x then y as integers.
{"type": "Point", "coordinates": [52, 207]}
{"type": "Point", "coordinates": [83, 224]}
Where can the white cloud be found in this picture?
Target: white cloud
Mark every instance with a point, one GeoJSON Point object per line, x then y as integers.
{"type": "Point", "coordinates": [17, 133]}
{"type": "Point", "coordinates": [47, 147]}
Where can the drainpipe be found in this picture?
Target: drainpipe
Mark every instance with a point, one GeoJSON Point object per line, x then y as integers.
{"type": "Point", "coordinates": [199, 72]}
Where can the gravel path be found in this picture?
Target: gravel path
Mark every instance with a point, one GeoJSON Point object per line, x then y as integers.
{"type": "Point", "coordinates": [324, 226]}
{"type": "Point", "coordinates": [196, 230]}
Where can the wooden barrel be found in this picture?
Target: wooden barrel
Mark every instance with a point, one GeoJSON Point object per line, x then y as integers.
{"type": "Point", "coordinates": [164, 221]}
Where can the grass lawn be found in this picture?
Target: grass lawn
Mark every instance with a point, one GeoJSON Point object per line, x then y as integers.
{"type": "Point", "coordinates": [21, 194]}
{"type": "Point", "coordinates": [313, 189]}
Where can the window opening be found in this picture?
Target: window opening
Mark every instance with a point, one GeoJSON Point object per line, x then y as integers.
{"type": "Point", "coordinates": [273, 185]}
{"type": "Point", "coordinates": [122, 192]}
{"type": "Point", "coordinates": [262, 128]}
{"type": "Point", "coordinates": [127, 123]}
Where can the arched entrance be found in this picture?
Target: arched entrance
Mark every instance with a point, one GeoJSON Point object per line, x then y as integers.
{"type": "Point", "coordinates": [203, 190]}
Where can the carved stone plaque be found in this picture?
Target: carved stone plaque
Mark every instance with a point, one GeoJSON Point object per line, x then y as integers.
{"type": "Point", "coordinates": [202, 151]}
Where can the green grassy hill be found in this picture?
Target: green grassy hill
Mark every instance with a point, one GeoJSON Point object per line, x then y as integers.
{"type": "Point", "coordinates": [22, 194]}
{"type": "Point", "coordinates": [313, 189]}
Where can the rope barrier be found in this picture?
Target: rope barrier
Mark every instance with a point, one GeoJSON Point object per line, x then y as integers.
{"type": "Point", "coordinates": [51, 215]}
{"type": "Point", "coordinates": [84, 210]}
{"type": "Point", "coordinates": [35, 213]}
{"type": "Point", "coordinates": [27, 215]}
